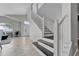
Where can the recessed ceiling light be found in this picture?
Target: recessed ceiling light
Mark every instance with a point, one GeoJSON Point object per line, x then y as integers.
{"type": "Point", "coordinates": [26, 22]}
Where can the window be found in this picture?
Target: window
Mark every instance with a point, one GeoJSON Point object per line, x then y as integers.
{"type": "Point", "coordinates": [6, 27]}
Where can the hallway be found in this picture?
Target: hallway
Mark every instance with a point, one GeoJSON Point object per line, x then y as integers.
{"type": "Point", "coordinates": [19, 47]}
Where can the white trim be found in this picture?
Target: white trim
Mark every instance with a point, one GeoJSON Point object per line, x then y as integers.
{"type": "Point", "coordinates": [49, 35]}
{"type": "Point", "coordinates": [76, 52]}
{"type": "Point", "coordinates": [48, 40]}
{"type": "Point", "coordinates": [47, 32]}
{"type": "Point", "coordinates": [13, 18]}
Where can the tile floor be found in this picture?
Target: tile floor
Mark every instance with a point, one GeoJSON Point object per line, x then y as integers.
{"type": "Point", "coordinates": [21, 46]}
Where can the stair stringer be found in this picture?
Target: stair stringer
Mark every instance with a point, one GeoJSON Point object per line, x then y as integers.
{"type": "Point", "coordinates": [35, 32]}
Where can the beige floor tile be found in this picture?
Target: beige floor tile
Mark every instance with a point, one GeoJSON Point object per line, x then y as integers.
{"type": "Point", "coordinates": [21, 46]}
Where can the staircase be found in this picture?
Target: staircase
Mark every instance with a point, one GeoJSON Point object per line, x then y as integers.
{"type": "Point", "coordinates": [43, 48]}
{"type": "Point", "coordinates": [48, 44]}
{"type": "Point", "coordinates": [43, 45]}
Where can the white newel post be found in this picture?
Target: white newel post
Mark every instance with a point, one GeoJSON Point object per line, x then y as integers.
{"type": "Point", "coordinates": [56, 38]}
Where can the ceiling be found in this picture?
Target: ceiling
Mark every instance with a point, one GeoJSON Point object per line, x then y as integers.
{"type": "Point", "coordinates": [15, 11]}
{"type": "Point", "coordinates": [14, 8]}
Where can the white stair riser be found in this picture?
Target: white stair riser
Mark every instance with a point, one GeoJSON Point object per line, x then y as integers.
{"type": "Point", "coordinates": [48, 35]}
{"type": "Point", "coordinates": [48, 40]}
{"type": "Point", "coordinates": [47, 47]}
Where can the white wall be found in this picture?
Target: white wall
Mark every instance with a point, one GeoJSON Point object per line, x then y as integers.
{"type": "Point", "coordinates": [51, 10]}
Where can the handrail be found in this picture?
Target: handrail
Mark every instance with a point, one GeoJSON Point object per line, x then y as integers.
{"type": "Point", "coordinates": [62, 19]}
